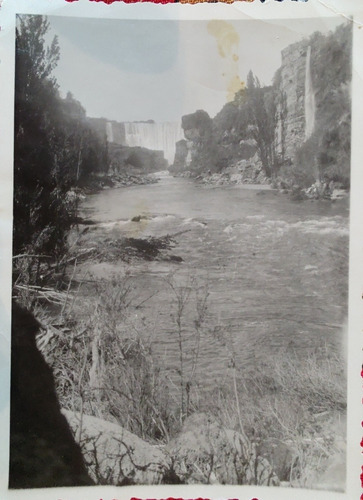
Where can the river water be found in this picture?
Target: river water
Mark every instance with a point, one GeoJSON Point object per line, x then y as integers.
{"type": "Point", "coordinates": [276, 270]}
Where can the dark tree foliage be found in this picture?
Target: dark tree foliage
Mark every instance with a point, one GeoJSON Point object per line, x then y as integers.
{"type": "Point", "coordinates": [232, 122]}
{"type": "Point", "coordinates": [263, 117]}
{"type": "Point", "coordinates": [259, 107]}
{"type": "Point", "coordinates": [55, 149]}
{"type": "Point", "coordinates": [35, 189]}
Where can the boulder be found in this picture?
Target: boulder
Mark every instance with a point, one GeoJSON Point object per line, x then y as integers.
{"type": "Point", "coordinates": [197, 125]}
{"type": "Point", "coordinates": [116, 456]}
{"type": "Point", "coordinates": [206, 452]}
{"type": "Point", "coordinates": [319, 190]}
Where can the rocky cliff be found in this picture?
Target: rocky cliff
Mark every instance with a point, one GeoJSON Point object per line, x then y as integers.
{"type": "Point", "coordinates": [289, 86]}
{"type": "Point", "coordinates": [111, 130]}
{"type": "Point", "coordinates": [196, 151]}
{"type": "Point", "coordinates": [212, 145]}
{"type": "Point", "coordinates": [299, 127]}
{"type": "Point", "coordinates": [204, 452]}
{"type": "Point", "coordinates": [320, 150]}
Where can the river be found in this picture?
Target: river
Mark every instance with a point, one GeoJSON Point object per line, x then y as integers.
{"type": "Point", "coordinates": [276, 270]}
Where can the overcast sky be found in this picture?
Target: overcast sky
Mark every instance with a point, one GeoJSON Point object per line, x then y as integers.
{"type": "Point", "coordinates": [160, 70]}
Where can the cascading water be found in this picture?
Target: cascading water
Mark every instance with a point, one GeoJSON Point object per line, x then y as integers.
{"type": "Point", "coordinates": [109, 132]}
{"type": "Point", "coordinates": [157, 136]}
{"type": "Point", "coordinates": [309, 98]}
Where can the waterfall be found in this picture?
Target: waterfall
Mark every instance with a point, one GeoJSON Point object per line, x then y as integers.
{"type": "Point", "coordinates": [109, 132]}
{"type": "Point", "coordinates": [157, 136]}
{"type": "Point", "coordinates": [309, 98]}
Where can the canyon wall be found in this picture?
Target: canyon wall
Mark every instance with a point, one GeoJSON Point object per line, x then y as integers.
{"type": "Point", "coordinates": [298, 129]}
{"type": "Point", "coordinates": [289, 85]}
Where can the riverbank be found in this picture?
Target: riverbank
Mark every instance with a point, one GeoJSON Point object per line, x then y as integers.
{"type": "Point", "coordinates": [175, 293]}
{"type": "Point", "coordinates": [244, 172]}
{"type": "Point", "coordinates": [234, 177]}
{"type": "Point", "coordinates": [125, 384]}
{"type": "Point", "coordinates": [116, 180]}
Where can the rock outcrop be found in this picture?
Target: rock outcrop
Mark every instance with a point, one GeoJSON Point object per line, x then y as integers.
{"type": "Point", "coordinates": [299, 126]}
{"type": "Point", "coordinates": [43, 452]}
{"type": "Point", "coordinates": [211, 145]}
{"type": "Point", "coordinates": [111, 130]}
{"type": "Point", "coordinates": [208, 453]}
{"type": "Point", "coordinates": [198, 131]}
{"type": "Point", "coordinates": [181, 156]}
{"type": "Point", "coordinates": [290, 92]}
{"type": "Point", "coordinates": [115, 455]}
{"type": "Point", "coordinates": [204, 452]}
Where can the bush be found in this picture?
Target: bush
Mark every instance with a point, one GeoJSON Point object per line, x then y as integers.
{"type": "Point", "coordinates": [291, 410]}
{"type": "Point", "coordinates": [104, 366]}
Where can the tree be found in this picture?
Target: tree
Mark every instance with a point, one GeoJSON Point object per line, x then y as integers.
{"type": "Point", "coordinates": [262, 111]}
{"type": "Point", "coordinates": [36, 198]}
{"type": "Point", "coordinates": [55, 148]}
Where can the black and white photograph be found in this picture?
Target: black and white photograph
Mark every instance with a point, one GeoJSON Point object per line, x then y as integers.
{"type": "Point", "coordinates": [180, 258]}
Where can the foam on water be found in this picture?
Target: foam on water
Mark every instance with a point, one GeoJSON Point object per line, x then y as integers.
{"type": "Point", "coordinates": [324, 226]}
{"type": "Point", "coordinates": [255, 217]}
{"type": "Point", "coordinates": [276, 270]}
{"type": "Point", "coordinates": [228, 229]}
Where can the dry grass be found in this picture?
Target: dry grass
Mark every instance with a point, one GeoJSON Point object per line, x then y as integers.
{"type": "Point", "coordinates": [103, 364]}
{"type": "Point", "coordinates": [292, 409]}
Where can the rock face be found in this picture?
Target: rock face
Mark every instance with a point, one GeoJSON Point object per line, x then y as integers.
{"type": "Point", "coordinates": [299, 126]}
{"type": "Point", "coordinates": [115, 455]}
{"type": "Point", "coordinates": [43, 452]}
{"type": "Point", "coordinates": [198, 131]}
{"type": "Point", "coordinates": [316, 73]}
{"type": "Point", "coordinates": [197, 126]}
{"type": "Point", "coordinates": [204, 452]}
{"type": "Point", "coordinates": [226, 140]}
{"type": "Point", "coordinates": [290, 89]}
{"type": "Point", "coordinates": [207, 453]}
{"type": "Point", "coordinates": [111, 130]}
{"type": "Point", "coordinates": [116, 133]}
{"type": "Point", "coordinates": [181, 155]}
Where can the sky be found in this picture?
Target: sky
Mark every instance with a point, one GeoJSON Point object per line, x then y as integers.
{"type": "Point", "coordinates": [130, 70]}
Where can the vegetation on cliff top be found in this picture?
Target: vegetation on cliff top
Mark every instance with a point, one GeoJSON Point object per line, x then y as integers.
{"type": "Point", "coordinates": [255, 121]}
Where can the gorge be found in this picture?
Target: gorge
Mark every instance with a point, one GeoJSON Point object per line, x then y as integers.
{"type": "Point", "coordinates": [179, 316]}
{"type": "Point", "coordinates": [294, 132]}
